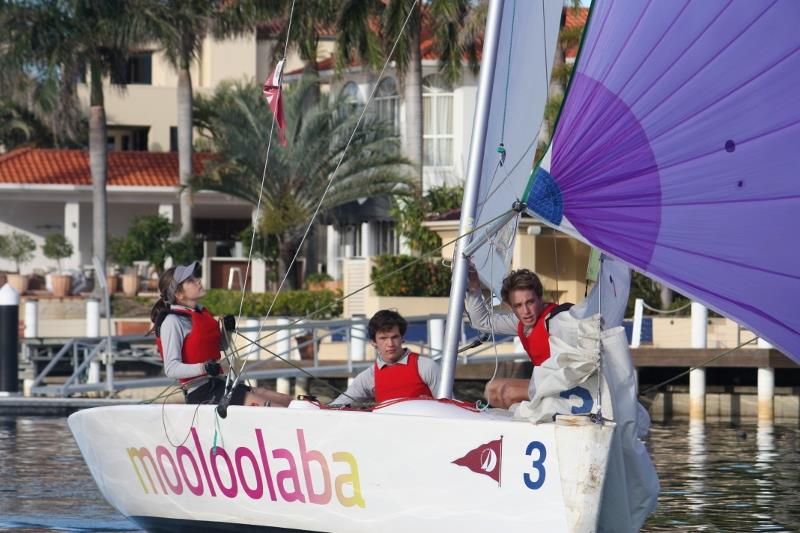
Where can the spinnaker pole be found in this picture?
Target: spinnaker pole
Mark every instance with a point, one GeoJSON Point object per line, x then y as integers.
{"type": "Point", "coordinates": [455, 311]}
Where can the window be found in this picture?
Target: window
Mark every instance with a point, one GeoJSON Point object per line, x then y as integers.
{"type": "Point", "coordinates": [128, 138]}
{"type": "Point", "coordinates": [138, 69]}
{"type": "Point", "coordinates": [387, 103]}
{"type": "Point", "coordinates": [437, 127]}
{"type": "Point", "coordinates": [173, 138]}
{"type": "Point", "coordinates": [386, 239]}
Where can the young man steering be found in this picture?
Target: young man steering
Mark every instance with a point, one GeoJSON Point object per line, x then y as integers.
{"type": "Point", "coordinates": [397, 372]}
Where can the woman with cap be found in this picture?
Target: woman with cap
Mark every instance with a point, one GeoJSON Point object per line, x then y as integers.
{"type": "Point", "coordinates": [189, 341]}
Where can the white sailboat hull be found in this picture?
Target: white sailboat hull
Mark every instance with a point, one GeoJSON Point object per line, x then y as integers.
{"type": "Point", "coordinates": [311, 469]}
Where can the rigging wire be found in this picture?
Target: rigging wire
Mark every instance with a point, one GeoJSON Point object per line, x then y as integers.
{"type": "Point", "coordinates": [297, 367]}
{"type": "Point", "coordinates": [333, 175]}
{"type": "Point", "coordinates": [264, 173]}
{"type": "Point", "coordinates": [252, 342]}
{"type": "Point", "coordinates": [495, 189]}
{"type": "Point", "coordinates": [701, 365]}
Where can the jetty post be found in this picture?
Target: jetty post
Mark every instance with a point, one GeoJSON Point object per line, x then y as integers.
{"type": "Point", "coordinates": [638, 316]}
{"type": "Point", "coordinates": [93, 331]}
{"type": "Point", "coordinates": [282, 348]}
{"type": "Point", "coordinates": [254, 352]}
{"type": "Point", "coordinates": [358, 341]}
{"type": "Point", "coordinates": [436, 336]}
{"type": "Point", "coordinates": [31, 318]}
{"type": "Point", "coordinates": [697, 377]}
{"type": "Point", "coordinates": [766, 388]}
{"type": "Point", "coordinates": [300, 382]}
{"type": "Point", "coordinates": [9, 340]}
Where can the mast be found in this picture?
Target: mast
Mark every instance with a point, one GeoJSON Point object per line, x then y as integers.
{"type": "Point", "coordinates": [459, 281]}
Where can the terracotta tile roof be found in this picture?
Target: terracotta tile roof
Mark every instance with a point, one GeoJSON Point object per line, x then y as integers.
{"type": "Point", "coordinates": [35, 166]}
{"type": "Point", "coordinates": [270, 29]}
{"type": "Point", "coordinates": [575, 18]}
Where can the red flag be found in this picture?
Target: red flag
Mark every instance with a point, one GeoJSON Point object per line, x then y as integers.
{"type": "Point", "coordinates": [485, 459]}
{"type": "Point", "coordinates": [274, 95]}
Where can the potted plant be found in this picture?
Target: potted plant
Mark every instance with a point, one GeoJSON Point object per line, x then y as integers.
{"type": "Point", "coordinates": [57, 246]}
{"type": "Point", "coordinates": [121, 253]}
{"type": "Point", "coordinates": [19, 248]}
{"type": "Point", "coordinates": [147, 239]}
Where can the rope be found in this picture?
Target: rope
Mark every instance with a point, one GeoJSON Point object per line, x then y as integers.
{"type": "Point", "coordinates": [300, 368]}
{"type": "Point", "coordinates": [333, 176]}
{"type": "Point", "coordinates": [701, 365]}
{"type": "Point", "coordinates": [508, 72]}
{"type": "Point", "coordinates": [666, 311]}
{"type": "Point", "coordinates": [264, 173]}
{"type": "Point", "coordinates": [252, 343]}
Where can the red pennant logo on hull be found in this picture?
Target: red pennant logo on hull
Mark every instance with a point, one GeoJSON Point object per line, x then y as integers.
{"type": "Point", "coordinates": [486, 459]}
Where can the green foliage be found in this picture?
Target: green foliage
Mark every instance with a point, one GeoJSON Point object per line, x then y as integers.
{"type": "Point", "coordinates": [17, 247]}
{"type": "Point", "coordinates": [404, 275]}
{"type": "Point", "coordinates": [147, 239]}
{"type": "Point", "coordinates": [318, 304]}
{"type": "Point", "coordinates": [185, 249]}
{"type": "Point", "coordinates": [409, 211]}
{"type": "Point", "coordinates": [650, 291]}
{"type": "Point", "coordinates": [57, 246]}
{"type": "Point", "coordinates": [235, 123]}
{"type": "Point", "coordinates": [318, 277]}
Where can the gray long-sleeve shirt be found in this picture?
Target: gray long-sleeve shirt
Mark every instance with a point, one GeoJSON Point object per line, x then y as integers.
{"type": "Point", "coordinates": [483, 319]}
{"type": "Point", "coordinates": [173, 331]}
{"type": "Point", "coordinates": [363, 387]}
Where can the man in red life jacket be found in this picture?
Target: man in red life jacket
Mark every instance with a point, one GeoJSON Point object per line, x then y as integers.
{"type": "Point", "coordinates": [397, 372]}
{"type": "Point", "coordinates": [522, 292]}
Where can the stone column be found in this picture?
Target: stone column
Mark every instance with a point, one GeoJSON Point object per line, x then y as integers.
{"type": "Point", "coordinates": [72, 231]}
{"type": "Point", "coordinates": [367, 244]}
{"type": "Point", "coordinates": [332, 251]}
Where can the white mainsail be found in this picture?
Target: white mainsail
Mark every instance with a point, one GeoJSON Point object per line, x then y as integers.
{"type": "Point", "coordinates": [528, 35]}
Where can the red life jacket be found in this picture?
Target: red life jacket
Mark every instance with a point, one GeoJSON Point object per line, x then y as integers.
{"type": "Point", "coordinates": [202, 342]}
{"type": "Point", "coordinates": [400, 381]}
{"type": "Point", "coordinates": [537, 342]}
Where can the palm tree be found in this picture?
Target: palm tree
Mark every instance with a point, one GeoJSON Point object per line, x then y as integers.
{"type": "Point", "coordinates": [236, 123]}
{"type": "Point", "coordinates": [180, 27]}
{"type": "Point", "coordinates": [38, 109]}
{"type": "Point", "coordinates": [358, 39]}
{"type": "Point", "coordinates": [62, 37]}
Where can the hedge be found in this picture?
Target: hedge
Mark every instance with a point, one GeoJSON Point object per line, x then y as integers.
{"type": "Point", "coordinates": [289, 303]}
{"type": "Point", "coordinates": [422, 278]}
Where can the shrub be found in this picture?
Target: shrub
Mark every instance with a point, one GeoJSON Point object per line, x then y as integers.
{"type": "Point", "coordinates": [57, 246]}
{"type": "Point", "coordinates": [147, 239]}
{"type": "Point", "coordinates": [291, 303]}
{"type": "Point", "coordinates": [17, 247]}
{"type": "Point", "coordinates": [417, 277]}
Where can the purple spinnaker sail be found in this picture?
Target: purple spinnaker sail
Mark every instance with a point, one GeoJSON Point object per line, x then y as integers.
{"type": "Point", "coordinates": [678, 151]}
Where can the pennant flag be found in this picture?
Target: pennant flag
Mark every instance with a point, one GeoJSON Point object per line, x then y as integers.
{"type": "Point", "coordinates": [273, 94]}
{"type": "Point", "coordinates": [485, 459]}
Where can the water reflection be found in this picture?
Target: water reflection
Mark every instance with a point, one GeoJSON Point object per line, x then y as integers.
{"type": "Point", "coordinates": [696, 459]}
{"type": "Point", "coordinates": [714, 477]}
{"type": "Point", "coordinates": [45, 484]}
{"type": "Point", "coordinates": [725, 477]}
